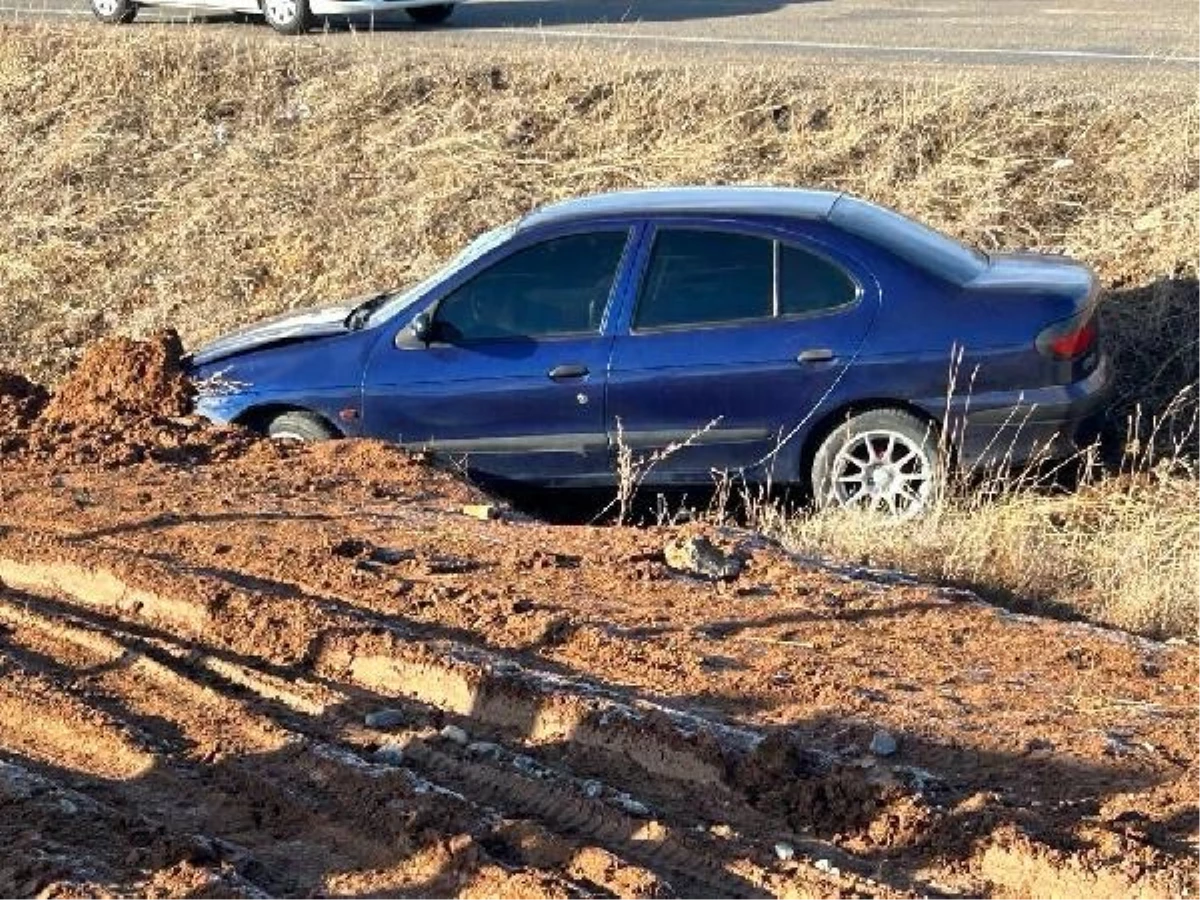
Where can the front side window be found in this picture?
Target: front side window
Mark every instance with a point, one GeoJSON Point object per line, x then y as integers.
{"type": "Point", "coordinates": [558, 287]}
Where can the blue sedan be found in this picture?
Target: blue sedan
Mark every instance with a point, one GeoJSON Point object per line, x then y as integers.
{"type": "Point", "coordinates": [775, 334]}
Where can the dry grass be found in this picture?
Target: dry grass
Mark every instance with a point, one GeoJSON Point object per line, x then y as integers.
{"type": "Point", "coordinates": [1123, 551]}
{"type": "Point", "coordinates": [203, 181]}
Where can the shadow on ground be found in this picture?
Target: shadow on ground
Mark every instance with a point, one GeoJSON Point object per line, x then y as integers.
{"type": "Point", "coordinates": [326, 811]}
{"type": "Point", "coordinates": [1152, 332]}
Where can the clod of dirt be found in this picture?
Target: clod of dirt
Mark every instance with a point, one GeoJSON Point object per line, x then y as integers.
{"type": "Point", "coordinates": [349, 548]}
{"type": "Point", "coordinates": [186, 879]}
{"type": "Point", "coordinates": [386, 718]}
{"type": "Point", "coordinates": [701, 557]}
{"type": "Point", "coordinates": [455, 735]}
{"type": "Point", "coordinates": [813, 792]}
{"type": "Point", "coordinates": [21, 402]}
{"type": "Point", "coordinates": [882, 743]}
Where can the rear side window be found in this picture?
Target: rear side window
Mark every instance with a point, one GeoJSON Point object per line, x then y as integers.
{"type": "Point", "coordinates": [698, 277]}
{"type": "Point", "coordinates": [558, 287]}
{"type": "Point", "coordinates": [809, 283]}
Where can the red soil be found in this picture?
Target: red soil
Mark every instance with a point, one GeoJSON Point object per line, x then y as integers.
{"type": "Point", "coordinates": [194, 623]}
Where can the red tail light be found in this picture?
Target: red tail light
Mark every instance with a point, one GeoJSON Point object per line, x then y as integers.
{"type": "Point", "coordinates": [1067, 340]}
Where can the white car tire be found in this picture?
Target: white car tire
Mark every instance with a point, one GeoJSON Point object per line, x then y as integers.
{"type": "Point", "coordinates": [286, 16]}
{"type": "Point", "coordinates": [115, 12]}
{"type": "Point", "coordinates": [297, 425]}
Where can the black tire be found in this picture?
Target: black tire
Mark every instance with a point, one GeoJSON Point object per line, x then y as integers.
{"type": "Point", "coordinates": [880, 439]}
{"type": "Point", "coordinates": [115, 12]}
{"type": "Point", "coordinates": [287, 16]}
{"type": "Point", "coordinates": [435, 14]}
{"type": "Point", "coordinates": [298, 425]}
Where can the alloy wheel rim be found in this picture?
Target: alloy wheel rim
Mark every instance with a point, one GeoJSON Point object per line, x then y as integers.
{"type": "Point", "coordinates": [280, 11]}
{"type": "Point", "coordinates": [105, 7]}
{"type": "Point", "coordinates": [883, 471]}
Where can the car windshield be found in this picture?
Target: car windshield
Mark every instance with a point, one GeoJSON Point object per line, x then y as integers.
{"type": "Point", "coordinates": [910, 240]}
{"type": "Point", "coordinates": [487, 241]}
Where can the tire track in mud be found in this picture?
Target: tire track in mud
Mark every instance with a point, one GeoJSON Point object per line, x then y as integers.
{"type": "Point", "coordinates": [539, 707]}
{"type": "Point", "coordinates": [319, 763]}
{"type": "Point", "coordinates": [535, 707]}
{"type": "Point", "coordinates": [693, 871]}
{"type": "Point", "coordinates": [530, 706]}
{"type": "Point", "coordinates": [71, 638]}
{"type": "Point", "coordinates": [41, 721]}
{"type": "Point", "coordinates": [377, 654]}
{"type": "Point", "coordinates": [146, 682]}
{"type": "Point", "coordinates": [346, 812]}
{"type": "Point", "coordinates": [271, 752]}
{"type": "Point", "coordinates": [103, 589]}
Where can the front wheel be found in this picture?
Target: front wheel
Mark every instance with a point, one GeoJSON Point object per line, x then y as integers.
{"type": "Point", "coordinates": [297, 425]}
{"type": "Point", "coordinates": [115, 12]}
{"type": "Point", "coordinates": [883, 460]}
{"type": "Point", "coordinates": [287, 16]}
{"type": "Point", "coordinates": [430, 15]}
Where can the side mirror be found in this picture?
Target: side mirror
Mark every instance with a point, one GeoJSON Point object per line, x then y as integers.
{"type": "Point", "coordinates": [421, 328]}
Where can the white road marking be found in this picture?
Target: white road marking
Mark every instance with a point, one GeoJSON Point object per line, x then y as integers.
{"type": "Point", "coordinates": [1082, 12]}
{"type": "Point", "coordinates": [833, 45]}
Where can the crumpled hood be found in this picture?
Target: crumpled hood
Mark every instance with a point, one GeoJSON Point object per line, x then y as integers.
{"type": "Point", "coordinates": [287, 328]}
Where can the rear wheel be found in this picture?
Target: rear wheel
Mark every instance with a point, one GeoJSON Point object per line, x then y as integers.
{"type": "Point", "coordinates": [885, 460]}
{"type": "Point", "coordinates": [297, 425]}
{"type": "Point", "coordinates": [287, 16]}
{"type": "Point", "coordinates": [115, 12]}
{"type": "Point", "coordinates": [435, 14]}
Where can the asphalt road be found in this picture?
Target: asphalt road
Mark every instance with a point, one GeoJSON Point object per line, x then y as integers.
{"type": "Point", "coordinates": [1044, 32]}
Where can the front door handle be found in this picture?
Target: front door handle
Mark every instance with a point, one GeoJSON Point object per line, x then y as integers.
{"type": "Point", "coordinates": [815, 355]}
{"type": "Point", "coordinates": [560, 373]}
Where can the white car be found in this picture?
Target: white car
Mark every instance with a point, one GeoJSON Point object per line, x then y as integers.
{"type": "Point", "coordinates": [285, 16]}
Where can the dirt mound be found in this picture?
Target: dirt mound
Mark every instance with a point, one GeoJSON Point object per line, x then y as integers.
{"type": "Point", "coordinates": [120, 379]}
{"type": "Point", "coordinates": [126, 402]}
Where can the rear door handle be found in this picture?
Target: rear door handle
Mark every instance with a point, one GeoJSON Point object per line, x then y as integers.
{"type": "Point", "coordinates": [560, 373]}
{"type": "Point", "coordinates": [815, 355]}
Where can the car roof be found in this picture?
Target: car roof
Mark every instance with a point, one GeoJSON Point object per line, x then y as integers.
{"type": "Point", "coordinates": [793, 203]}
